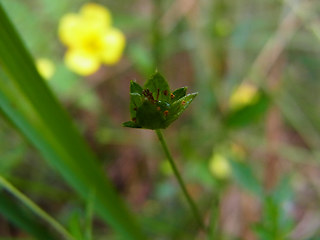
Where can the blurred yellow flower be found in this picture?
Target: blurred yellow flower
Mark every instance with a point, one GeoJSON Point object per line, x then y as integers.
{"type": "Point", "coordinates": [219, 166]}
{"type": "Point", "coordinates": [91, 39]}
{"type": "Point", "coordinates": [243, 95]}
{"type": "Point", "coordinates": [45, 67]}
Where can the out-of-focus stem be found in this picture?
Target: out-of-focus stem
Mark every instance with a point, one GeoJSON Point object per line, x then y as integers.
{"type": "Point", "coordinates": [180, 180]}
{"type": "Point", "coordinates": [89, 215]}
{"type": "Point", "coordinates": [156, 33]}
{"type": "Point", "coordinates": [35, 208]}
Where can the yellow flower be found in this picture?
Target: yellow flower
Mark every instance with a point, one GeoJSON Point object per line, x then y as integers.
{"type": "Point", "coordinates": [219, 166]}
{"type": "Point", "coordinates": [243, 95]}
{"type": "Point", "coordinates": [91, 39]}
{"type": "Point", "coordinates": [45, 67]}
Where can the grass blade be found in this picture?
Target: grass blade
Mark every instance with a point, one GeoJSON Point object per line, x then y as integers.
{"type": "Point", "coordinates": [34, 208]}
{"type": "Point", "coordinates": [22, 219]}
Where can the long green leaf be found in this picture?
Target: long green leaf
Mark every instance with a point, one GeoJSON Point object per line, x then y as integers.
{"type": "Point", "coordinates": [245, 177]}
{"type": "Point", "coordinates": [38, 115]}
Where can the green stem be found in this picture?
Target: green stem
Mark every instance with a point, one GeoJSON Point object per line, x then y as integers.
{"type": "Point", "coordinates": [156, 33]}
{"type": "Point", "coordinates": [213, 230]}
{"type": "Point", "coordinates": [180, 181]}
{"type": "Point", "coordinates": [35, 208]}
{"type": "Point", "coordinates": [89, 216]}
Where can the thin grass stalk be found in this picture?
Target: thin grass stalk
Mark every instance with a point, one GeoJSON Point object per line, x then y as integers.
{"type": "Point", "coordinates": [35, 209]}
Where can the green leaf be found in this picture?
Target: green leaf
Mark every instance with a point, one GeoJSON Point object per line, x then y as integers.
{"type": "Point", "coordinates": [34, 110]}
{"type": "Point", "coordinates": [275, 223]}
{"type": "Point", "coordinates": [248, 114]}
{"type": "Point", "coordinates": [245, 177]}
{"type": "Point", "coordinates": [283, 190]}
{"type": "Point", "coordinates": [159, 87]}
{"type": "Point", "coordinates": [75, 227]}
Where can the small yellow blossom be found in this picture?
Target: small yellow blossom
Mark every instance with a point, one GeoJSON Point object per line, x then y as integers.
{"type": "Point", "coordinates": [243, 95]}
{"type": "Point", "coordinates": [91, 39]}
{"type": "Point", "coordinates": [219, 166]}
{"type": "Point", "coordinates": [45, 67]}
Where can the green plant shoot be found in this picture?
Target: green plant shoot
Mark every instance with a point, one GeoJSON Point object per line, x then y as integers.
{"type": "Point", "coordinates": [155, 106]}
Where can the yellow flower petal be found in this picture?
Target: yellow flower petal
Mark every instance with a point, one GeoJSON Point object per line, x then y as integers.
{"type": "Point", "coordinates": [114, 43]}
{"type": "Point", "coordinates": [245, 94]}
{"type": "Point", "coordinates": [91, 42]}
{"type": "Point", "coordinates": [76, 32]}
{"type": "Point", "coordinates": [81, 62]}
{"type": "Point", "coordinates": [45, 67]}
{"type": "Point", "coordinates": [69, 30]}
{"type": "Point", "coordinates": [90, 39]}
{"type": "Point", "coordinates": [219, 166]}
{"type": "Point", "coordinates": [96, 14]}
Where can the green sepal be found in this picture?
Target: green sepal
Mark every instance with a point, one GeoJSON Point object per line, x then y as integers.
{"type": "Point", "coordinates": [135, 103]}
{"type": "Point", "coordinates": [159, 87]}
{"type": "Point", "coordinates": [135, 87]}
{"type": "Point", "coordinates": [179, 93]}
{"type": "Point", "coordinates": [178, 107]}
{"type": "Point", "coordinates": [151, 116]}
{"type": "Point", "coordinates": [130, 124]}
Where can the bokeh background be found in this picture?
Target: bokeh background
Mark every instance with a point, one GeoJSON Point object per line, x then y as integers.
{"type": "Point", "coordinates": [248, 146]}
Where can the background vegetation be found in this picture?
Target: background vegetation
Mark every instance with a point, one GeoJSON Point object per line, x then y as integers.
{"type": "Point", "coordinates": [252, 169]}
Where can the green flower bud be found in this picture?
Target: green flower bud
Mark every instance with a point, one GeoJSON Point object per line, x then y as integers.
{"type": "Point", "coordinates": [155, 106]}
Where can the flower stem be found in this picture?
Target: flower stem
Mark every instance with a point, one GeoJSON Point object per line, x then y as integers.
{"type": "Point", "coordinates": [156, 33]}
{"type": "Point", "coordinates": [35, 208]}
{"type": "Point", "coordinates": [89, 216]}
{"type": "Point", "coordinates": [180, 181]}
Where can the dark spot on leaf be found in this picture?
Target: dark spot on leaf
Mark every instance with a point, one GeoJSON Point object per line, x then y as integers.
{"type": "Point", "coordinates": [148, 95]}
